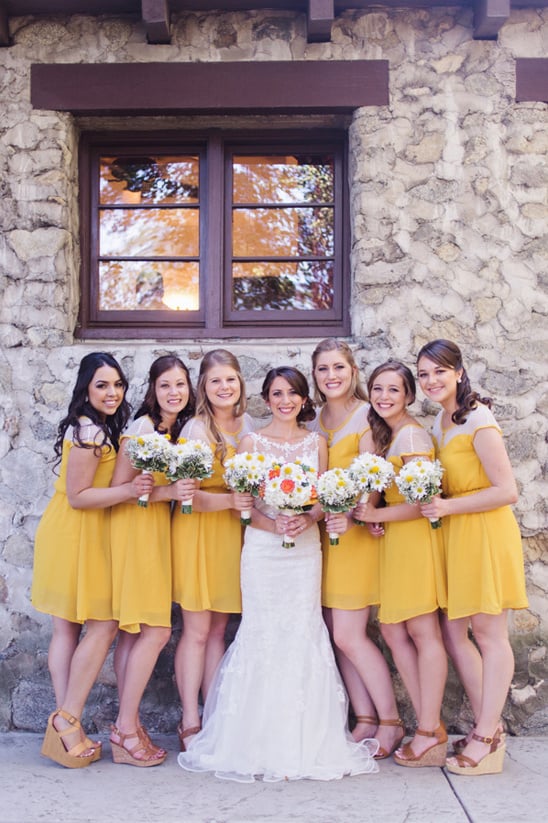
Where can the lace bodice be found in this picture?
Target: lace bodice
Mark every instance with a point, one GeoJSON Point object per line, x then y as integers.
{"type": "Point", "coordinates": [305, 450]}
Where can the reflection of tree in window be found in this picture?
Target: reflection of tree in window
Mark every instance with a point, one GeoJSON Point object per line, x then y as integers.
{"type": "Point", "coordinates": [149, 233]}
{"type": "Point", "coordinates": [283, 232]}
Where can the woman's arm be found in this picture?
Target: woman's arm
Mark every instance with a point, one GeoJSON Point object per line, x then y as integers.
{"type": "Point", "coordinates": [81, 469]}
{"type": "Point", "coordinates": [489, 447]}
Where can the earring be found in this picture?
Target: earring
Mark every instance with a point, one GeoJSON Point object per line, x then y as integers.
{"type": "Point", "coordinates": [459, 380]}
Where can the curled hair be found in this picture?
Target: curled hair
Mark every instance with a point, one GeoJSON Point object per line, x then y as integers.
{"type": "Point", "coordinates": [298, 383]}
{"type": "Point", "coordinates": [111, 426]}
{"type": "Point", "coordinates": [447, 354]}
{"type": "Point", "coordinates": [217, 357]}
{"type": "Point", "coordinates": [331, 344]}
{"type": "Point", "coordinates": [381, 431]}
{"type": "Point", "coordinates": [150, 405]}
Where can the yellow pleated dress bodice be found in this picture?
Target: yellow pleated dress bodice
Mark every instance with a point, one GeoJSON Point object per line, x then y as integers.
{"type": "Point", "coordinates": [350, 571]}
{"type": "Point", "coordinates": [412, 562]}
{"type": "Point", "coordinates": [72, 576]}
{"type": "Point", "coordinates": [484, 554]}
{"type": "Point", "coordinates": [141, 555]}
{"type": "Point", "coordinates": [206, 546]}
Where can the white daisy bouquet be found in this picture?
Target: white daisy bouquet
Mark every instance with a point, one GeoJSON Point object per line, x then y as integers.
{"type": "Point", "coordinates": [291, 488]}
{"type": "Point", "coordinates": [370, 473]}
{"type": "Point", "coordinates": [419, 481]}
{"type": "Point", "coordinates": [189, 459]}
{"type": "Point", "coordinates": [337, 492]}
{"type": "Point", "coordinates": [246, 472]}
{"type": "Point", "coordinates": [147, 452]}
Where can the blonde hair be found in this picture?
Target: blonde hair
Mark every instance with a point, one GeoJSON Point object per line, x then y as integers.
{"type": "Point", "coordinates": [217, 357]}
{"type": "Point", "coordinates": [331, 344]}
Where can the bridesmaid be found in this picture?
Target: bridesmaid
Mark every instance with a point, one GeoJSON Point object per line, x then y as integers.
{"type": "Point", "coordinates": [478, 487]}
{"type": "Point", "coordinates": [412, 576]}
{"type": "Point", "coordinates": [351, 569]}
{"type": "Point", "coordinates": [72, 562]}
{"type": "Point", "coordinates": [141, 556]}
{"type": "Point", "coordinates": [206, 545]}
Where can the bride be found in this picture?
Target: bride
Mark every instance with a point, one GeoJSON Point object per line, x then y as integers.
{"type": "Point", "coordinates": [277, 707]}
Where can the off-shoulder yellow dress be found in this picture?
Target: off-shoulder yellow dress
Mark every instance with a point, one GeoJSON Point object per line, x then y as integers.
{"type": "Point", "coordinates": [483, 549]}
{"type": "Point", "coordinates": [206, 546]}
{"type": "Point", "coordinates": [412, 565]}
{"type": "Point", "coordinates": [350, 571]}
{"type": "Point", "coordinates": [72, 575]}
{"type": "Point", "coordinates": [141, 555]}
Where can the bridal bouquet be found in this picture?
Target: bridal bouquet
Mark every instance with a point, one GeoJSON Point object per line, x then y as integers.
{"type": "Point", "coordinates": [419, 481]}
{"type": "Point", "coordinates": [147, 452]}
{"type": "Point", "coordinates": [291, 488]}
{"type": "Point", "coordinates": [189, 459]}
{"type": "Point", "coordinates": [371, 473]}
{"type": "Point", "coordinates": [337, 492]}
{"type": "Point", "coordinates": [246, 472]}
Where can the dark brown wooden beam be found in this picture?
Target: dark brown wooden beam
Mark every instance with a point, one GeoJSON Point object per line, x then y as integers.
{"type": "Point", "coordinates": [155, 14]}
{"type": "Point", "coordinates": [532, 79]}
{"type": "Point", "coordinates": [174, 88]}
{"type": "Point", "coordinates": [489, 17]}
{"type": "Point", "coordinates": [320, 17]}
{"type": "Point", "coordinates": [4, 26]}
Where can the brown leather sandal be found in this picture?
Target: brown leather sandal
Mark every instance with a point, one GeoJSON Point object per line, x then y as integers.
{"type": "Point", "coordinates": [184, 733]}
{"type": "Point", "coordinates": [382, 754]}
{"type": "Point", "coordinates": [150, 755]}
{"type": "Point", "coordinates": [433, 756]}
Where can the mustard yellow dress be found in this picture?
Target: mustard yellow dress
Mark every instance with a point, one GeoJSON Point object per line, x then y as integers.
{"type": "Point", "coordinates": [72, 576]}
{"type": "Point", "coordinates": [141, 555]}
{"type": "Point", "coordinates": [412, 564]}
{"type": "Point", "coordinates": [483, 549]}
{"type": "Point", "coordinates": [350, 571]}
{"type": "Point", "coordinates": [206, 546]}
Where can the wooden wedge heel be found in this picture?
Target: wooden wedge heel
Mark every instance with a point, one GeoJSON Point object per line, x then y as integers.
{"type": "Point", "coordinates": [54, 748]}
{"type": "Point", "coordinates": [492, 763]}
{"type": "Point", "coordinates": [435, 755]}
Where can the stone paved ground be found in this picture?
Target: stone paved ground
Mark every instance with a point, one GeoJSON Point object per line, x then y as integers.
{"type": "Point", "coordinates": [33, 790]}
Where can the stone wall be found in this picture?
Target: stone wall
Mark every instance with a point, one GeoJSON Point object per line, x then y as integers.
{"type": "Point", "coordinates": [448, 188]}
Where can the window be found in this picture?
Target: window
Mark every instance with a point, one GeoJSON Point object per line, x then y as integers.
{"type": "Point", "coordinates": [213, 236]}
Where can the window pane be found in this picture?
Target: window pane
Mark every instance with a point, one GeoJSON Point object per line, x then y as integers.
{"type": "Point", "coordinates": [149, 232]}
{"type": "Point", "coordinates": [154, 180]}
{"type": "Point", "coordinates": [142, 285]}
{"type": "Point", "coordinates": [299, 285]}
{"type": "Point", "coordinates": [283, 179]}
{"type": "Point", "coordinates": [285, 232]}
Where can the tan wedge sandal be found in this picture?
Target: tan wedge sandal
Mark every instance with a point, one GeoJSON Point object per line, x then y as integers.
{"type": "Point", "coordinates": [184, 733]}
{"type": "Point", "coordinates": [491, 763]}
{"type": "Point", "coordinates": [54, 748]}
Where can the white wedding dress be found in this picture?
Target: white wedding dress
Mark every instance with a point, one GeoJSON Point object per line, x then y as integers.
{"type": "Point", "coordinates": [277, 707]}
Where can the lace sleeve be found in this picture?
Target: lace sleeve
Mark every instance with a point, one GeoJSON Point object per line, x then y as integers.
{"type": "Point", "coordinates": [89, 433]}
{"type": "Point", "coordinates": [412, 441]}
{"type": "Point", "coordinates": [143, 425]}
{"type": "Point", "coordinates": [194, 429]}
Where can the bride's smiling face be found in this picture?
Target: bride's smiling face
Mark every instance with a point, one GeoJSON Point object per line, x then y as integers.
{"type": "Point", "coordinates": [284, 401]}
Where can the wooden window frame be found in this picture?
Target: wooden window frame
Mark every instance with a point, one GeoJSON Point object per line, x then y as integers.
{"type": "Point", "coordinates": [215, 319]}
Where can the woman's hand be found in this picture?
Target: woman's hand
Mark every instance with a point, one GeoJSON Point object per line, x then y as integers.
{"type": "Point", "coordinates": [366, 513]}
{"type": "Point", "coordinates": [142, 483]}
{"type": "Point", "coordinates": [293, 525]}
{"type": "Point", "coordinates": [183, 489]}
{"type": "Point", "coordinates": [242, 501]}
{"type": "Point", "coordinates": [338, 522]}
{"type": "Point", "coordinates": [436, 509]}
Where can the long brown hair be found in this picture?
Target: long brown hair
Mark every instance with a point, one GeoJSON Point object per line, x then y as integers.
{"type": "Point", "coordinates": [332, 344]}
{"type": "Point", "coordinates": [380, 430]}
{"type": "Point", "coordinates": [447, 354]}
{"type": "Point", "coordinates": [217, 357]}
